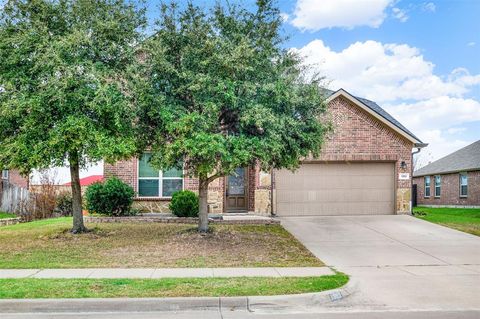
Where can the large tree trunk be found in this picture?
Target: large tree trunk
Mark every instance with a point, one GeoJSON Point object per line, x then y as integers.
{"type": "Point", "coordinates": [78, 226]}
{"type": "Point", "coordinates": [203, 204]}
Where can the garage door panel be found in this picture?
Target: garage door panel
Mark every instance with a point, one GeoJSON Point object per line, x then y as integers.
{"type": "Point", "coordinates": [336, 189]}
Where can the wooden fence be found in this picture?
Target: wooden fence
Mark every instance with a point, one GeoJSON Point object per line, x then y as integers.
{"type": "Point", "coordinates": [14, 199]}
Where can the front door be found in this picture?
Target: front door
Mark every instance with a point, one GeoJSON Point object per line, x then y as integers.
{"type": "Point", "coordinates": [237, 190]}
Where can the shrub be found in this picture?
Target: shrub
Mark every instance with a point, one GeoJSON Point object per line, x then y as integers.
{"type": "Point", "coordinates": [184, 204]}
{"type": "Point", "coordinates": [112, 197]}
{"type": "Point", "coordinates": [64, 204]}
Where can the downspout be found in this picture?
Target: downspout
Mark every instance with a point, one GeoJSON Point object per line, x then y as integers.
{"type": "Point", "coordinates": [411, 178]}
{"type": "Point", "coordinates": [272, 186]}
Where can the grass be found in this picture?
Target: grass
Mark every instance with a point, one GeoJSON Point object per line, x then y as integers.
{"type": "Point", "coordinates": [6, 215]}
{"type": "Point", "coordinates": [173, 287]}
{"type": "Point", "coordinates": [463, 219]}
{"type": "Point", "coordinates": [48, 244]}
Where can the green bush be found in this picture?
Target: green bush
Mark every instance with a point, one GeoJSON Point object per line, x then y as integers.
{"type": "Point", "coordinates": [112, 197]}
{"type": "Point", "coordinates": [184, 204]}
{"type": "Point", "coordinates": [64, 204]}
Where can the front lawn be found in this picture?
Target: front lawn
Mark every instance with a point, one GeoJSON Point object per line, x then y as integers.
{"type": "Point", "coordinates": [463, 219]}
{"type": "Point", "coordinates": [6, 215]}
{"type": "Point", "coordinates": [172, 287]}
{"type": "Point", "coordinates": [48, 244]}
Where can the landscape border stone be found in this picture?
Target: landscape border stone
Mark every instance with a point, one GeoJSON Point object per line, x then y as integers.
{"type": "Point", "coordinates": [176, 220]}
{"type": "Point", "coordinates": [10, 221]}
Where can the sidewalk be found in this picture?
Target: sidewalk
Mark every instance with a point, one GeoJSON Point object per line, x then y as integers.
{"type": "Point", "coordinates": [156, 273]}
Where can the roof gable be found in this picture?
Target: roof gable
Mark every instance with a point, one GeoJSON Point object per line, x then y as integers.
{"type": "Point", "coordinates": [376, 111]}
{"type": "Point", "coordinates": [465, 159]}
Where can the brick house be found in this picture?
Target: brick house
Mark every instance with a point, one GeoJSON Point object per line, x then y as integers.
{"type": "Point", "coordinates": [453, 180]}
{"type": "Point", "coordinates": [13, 177]}
{"type": "Point", "coordinates": [365, 168]}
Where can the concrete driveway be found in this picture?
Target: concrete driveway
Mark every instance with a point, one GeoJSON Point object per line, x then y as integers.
{"type": "Point", "coordinates": [396, 262]}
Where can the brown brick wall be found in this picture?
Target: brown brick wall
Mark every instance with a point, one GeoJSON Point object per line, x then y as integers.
{"type": "Point", "coordinates": [125, 170]}
{"type": "Point", "coordinates": [357, 136]}
{"type": "Point", "coordinates": [450, 190]}
{"type": "Point", "coordinates": [16, 179]}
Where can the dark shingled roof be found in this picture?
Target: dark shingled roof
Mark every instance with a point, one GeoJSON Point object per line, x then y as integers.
{"type": "Point", "coordinates": [377, 109]}
{"type": "Point", "coordinates": [465, 159]}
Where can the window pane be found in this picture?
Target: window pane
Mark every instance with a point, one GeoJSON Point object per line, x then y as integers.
{"type": "Point", "coordinates": [437, 191]}
{"type": "Point", "coordinates": [170, 186]}
{"type": "Point", "coordinates": [427, 191]}
{"type": "Point", "coordinates": [463, 190]}
{"type": "Point", "coordinates": [236, 182]}
{"type": "Point", "coordinates": [463, 179]}
{"type": "Point", "coordinates": [144, 167]}
{"type": "Point", "coordinates": [427, 181]}
{"type": "Point", "coordinates": [148, 187]}
{"type": "Point", "coordinates": [173, 173]}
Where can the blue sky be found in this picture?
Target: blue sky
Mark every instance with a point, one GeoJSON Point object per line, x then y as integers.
{"type": "Point", "coordinates": [417, 59]}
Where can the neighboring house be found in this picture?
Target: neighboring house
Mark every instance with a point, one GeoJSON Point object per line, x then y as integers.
{"type": "Point", "coordinates": [13, 177]}
{"type": "Point", "coordinates": [453, 180]}
{"type": "Point", "coordinates": [365, 168]}
{"type": "Point", "coordinates": [87, 181]}
{"type": "Point", "coordinates": [67, 187]}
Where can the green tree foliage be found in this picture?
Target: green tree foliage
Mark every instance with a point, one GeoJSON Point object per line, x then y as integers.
{"type": "Point", "coordinates": [219, 92]}
{"type": "Point", "coordinates": [64, 98]}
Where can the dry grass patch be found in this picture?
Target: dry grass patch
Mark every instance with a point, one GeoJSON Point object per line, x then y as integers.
{"type": "Point", "coordinates": [48, 244]}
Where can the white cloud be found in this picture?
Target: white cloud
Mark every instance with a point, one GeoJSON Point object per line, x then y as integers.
{"type": "Point", "coordinates": [400, 14]}
{"type": "Point", "coordinates": [439, 113]}
{"type": "Point", "coordinates": [285, 16]}
{"type": "Point", "coordinates": [439, 146]}
{"type": "Point", "coordinates": [429, 6]}
{"type": "Point", "coordinates": [471, 44]}
{"type": "Point", "coordinates": [401, 80]}
{"type": "Point", "coordinates": [455, 130]}
{"type": "Point", "coordinates": [313, 15]}
{"type": "Point", "coordinates": [385, 72]}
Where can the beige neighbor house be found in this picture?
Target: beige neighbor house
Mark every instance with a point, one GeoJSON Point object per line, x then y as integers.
{"type": "Point", "coordinates": [365, 168]}
{"type": "Point", "coordinates": [452, 181]}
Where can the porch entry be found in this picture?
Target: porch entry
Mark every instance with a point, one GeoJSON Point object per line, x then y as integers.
{"type": "Point", "coordinates": [236, 191]}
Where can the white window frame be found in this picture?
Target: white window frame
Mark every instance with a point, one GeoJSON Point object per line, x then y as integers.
{"type": "Point", "coordinates": [439, 186]}
{"type": "Point", "coordinates": [160, 179]}
{"type": "Point", "coordinates": [429, 186]}
{"type": "Point", "coordinates": [5, 174]}
{"type": "Point", "coordinates": [460, 184]}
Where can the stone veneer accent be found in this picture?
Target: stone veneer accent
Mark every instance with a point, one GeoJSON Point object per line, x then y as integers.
{"type": "Point", "coordinates": [357, 137]}
{"type": "Point", "coordinates": [450, 190]}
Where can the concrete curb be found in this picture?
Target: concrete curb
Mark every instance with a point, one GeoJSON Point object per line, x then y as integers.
{"type": "Point", "coordinates": [251, 304]}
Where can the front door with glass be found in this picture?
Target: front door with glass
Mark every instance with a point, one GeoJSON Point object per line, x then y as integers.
{"type": "Point", "coordinates": [237, 191]}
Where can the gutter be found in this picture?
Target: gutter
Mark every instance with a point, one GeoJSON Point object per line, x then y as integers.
{"type": "Point", "coordinates": [419, 147]}
{"type": "Point", "coordinates": [272, 182]}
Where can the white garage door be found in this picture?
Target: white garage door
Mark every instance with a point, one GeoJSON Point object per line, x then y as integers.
{"type": "Point", "coordinates": [336, 189]}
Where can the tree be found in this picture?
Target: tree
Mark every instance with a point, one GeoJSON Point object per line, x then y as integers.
{"type": "Point", "coordinates": [219, 92]}
{"type": "Point", "coordinates": [64, 69]}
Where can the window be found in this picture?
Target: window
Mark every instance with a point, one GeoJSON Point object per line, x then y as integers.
{"type": "Point", "coordinates": [5, 174]}
{"type": "Point", "coordinates": [427, 186]}
{"type": "Point", "coordinates": [154, 183]}
{"type": "Point", "coordinates": [463, 184]}
{"type": "Point", "coordinates": [438, 182]}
